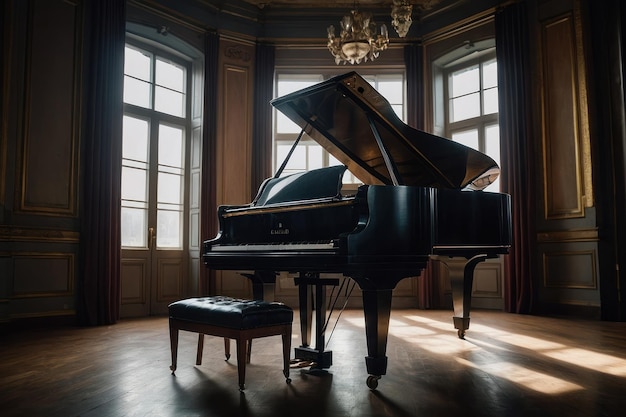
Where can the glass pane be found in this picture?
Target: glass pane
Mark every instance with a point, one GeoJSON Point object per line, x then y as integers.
{"type": "Point", "coordinates": [492, 142]}
{"type": "Point", "coordinates": [168, 229]}
{"type": "Point", "coordinates": [468, 138]}
{"type": "Point", "coordinates": [136, 92]}
{"type": "Point", "coordinates": [398, 110]}
{"type": "Point", "coordinates": [492, 148]}
{"type": "Point", "coordinates": [490, 98]}
{"type": "Point", "coordinates": [169, 102]}
{"type": "Point", "coordinates": [464, 81]}
{"type": "Point", "coordinates": [391, 90]}
{"type": "Point", "coordinates": [133, 227]}
{"type": "Point", "coordinates": [137, 64]}
{"type": "Point", "coordinates": [285, 125]}
{"type": "Point", "coordinates": [490, 74]}
{"type": "Point", "coordinates": [170, 146]}
{"type": "Point", "coordinates": [332, 161]}
{"type": "Point", "coordinates": [286, 86]}
{"type": "Point", "coordinates": [316, 157]}
{"type": "Point", "coordinates": [297, 162]}
{"type": "Point", "coordinates": [465, 107]}
{"type": "Point", "coordinates": [170, 75]}
{"type": "Point", "coordinates": [169, 188]}
{"type": "Point", "coordinates": [134, 184]}
{"type": "Point", "coordinates": [135, 139]}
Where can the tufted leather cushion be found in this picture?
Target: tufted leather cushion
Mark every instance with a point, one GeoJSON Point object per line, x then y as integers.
{"type": "Point", "coordinates": [231, 312]}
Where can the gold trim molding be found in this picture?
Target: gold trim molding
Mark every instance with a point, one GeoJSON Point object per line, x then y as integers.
{"type": "Point", "coordinates": [25, 234]}
{"type": "Point", "coordinates": [559, 236]}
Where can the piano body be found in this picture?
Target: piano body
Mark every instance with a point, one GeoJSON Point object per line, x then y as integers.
{"type": "Point", "coordinates": [421, 198]}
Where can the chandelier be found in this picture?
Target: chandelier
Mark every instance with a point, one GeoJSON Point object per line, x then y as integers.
{"type": "Point", "coordinates": [401, 16]}
{"type": "Point", "coordinates": [359, 39]}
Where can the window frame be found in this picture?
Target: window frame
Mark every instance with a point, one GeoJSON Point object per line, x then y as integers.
{"type": "Point", "coordinates": [481, 121]}
{"type": "Point", "coordinates": [156, 118]}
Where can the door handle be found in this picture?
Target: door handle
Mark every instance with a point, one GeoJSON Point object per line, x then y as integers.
{"type": "Point", "coordinates": [151, 237]}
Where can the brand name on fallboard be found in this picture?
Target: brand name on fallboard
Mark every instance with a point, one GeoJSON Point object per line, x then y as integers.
{"type": "Point", "coordinates": [279, 232]}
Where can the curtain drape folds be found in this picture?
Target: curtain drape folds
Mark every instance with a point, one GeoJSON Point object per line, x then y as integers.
{"type": "Point", "coordinates": [98, 289]}
{"type": "Point", "coordinates": [413, 60]}
{"type": "Point", "coordinates": [262, 125]}
{"type": "Point", "coordinates": [512, 53]}
{"type": "Point", "coordinates": [208, 203]}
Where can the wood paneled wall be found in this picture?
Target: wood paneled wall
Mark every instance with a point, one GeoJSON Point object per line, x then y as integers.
{"type": "Point", "coordinates": [234, 144]}
{"type": "Point", "coordinates": [566, 220]}
{"type": "Point", "coordinates": [39, 233]}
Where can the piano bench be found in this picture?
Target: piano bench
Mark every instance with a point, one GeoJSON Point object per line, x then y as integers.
{"type": "Point", "coordinates": [231, 318]}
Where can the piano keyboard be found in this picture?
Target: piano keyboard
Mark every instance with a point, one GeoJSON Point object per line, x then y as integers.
{"type": "Point", "coordinates": [281, 246]}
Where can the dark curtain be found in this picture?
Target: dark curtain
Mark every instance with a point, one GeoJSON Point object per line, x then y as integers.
{"type": "Point", "coordinates": [512, 53]}
{"type": "Point", "coordinates": [413, 60]}
{"type": "Point", "coordinates": [607, 20]}
{"type": "Point", "coordinates": [262, 125]}
{"type": "Point", "coordinates": [99, 277]}
{"type": "Point", "coordinates": [208, 208]}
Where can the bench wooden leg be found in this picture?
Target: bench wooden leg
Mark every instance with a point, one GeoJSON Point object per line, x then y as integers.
{"type": "Point", "coordinates": [242, 349]}
{"type": "Point", "coordinates": [173, 345]}
{"type": "Point", "coordinates": [200, 348]}
{"type": "Point", "coordinates": [227, 348]}
{"type": "Point", "coordinates": [286, 353]}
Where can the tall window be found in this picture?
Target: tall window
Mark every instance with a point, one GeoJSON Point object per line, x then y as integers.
{"type": "Point", "coordinates": [153, 155]}
{"type": "Point", "coordinates": [308, 154]}
{"type": "Point", "coordinates": [471, 99]}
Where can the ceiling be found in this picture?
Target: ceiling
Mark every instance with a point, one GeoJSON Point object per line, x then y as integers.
{"type": "Point", "coordinates": [343, 4]}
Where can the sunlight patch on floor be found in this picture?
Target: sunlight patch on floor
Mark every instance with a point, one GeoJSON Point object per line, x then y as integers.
{"type": "Point", "coordinates": [585, 358]}
{"type": "Point", "coordinates": [435, 324]}
{"type": "Point", "coordinates": [444, 344]}
{"type": "Point", "coordinates": [528, 378]}
{"type": "Point", "coordinates": [592, 360]}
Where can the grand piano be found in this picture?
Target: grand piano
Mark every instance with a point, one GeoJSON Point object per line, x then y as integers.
{"type": "Point", "coordinates": [421, 198]}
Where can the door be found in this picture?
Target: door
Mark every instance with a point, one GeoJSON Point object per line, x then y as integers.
{"type": "Point", "coordinates": [153, 208]}
{"type": "Point", "coordinates": [153, 213]}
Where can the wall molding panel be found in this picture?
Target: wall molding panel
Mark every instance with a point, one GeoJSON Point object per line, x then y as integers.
{"type": "Point", "coordinates": [49, 142]}
{"type": "Point", "coordinates": [570, 269]}
{"type": "Point", "coordinates": [565, 136]}
{"type": "Point", "coordinates": [43, 275]}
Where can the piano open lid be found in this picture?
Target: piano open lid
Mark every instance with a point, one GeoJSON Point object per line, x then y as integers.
{"type": "Point", "coordinates": [338, 114]}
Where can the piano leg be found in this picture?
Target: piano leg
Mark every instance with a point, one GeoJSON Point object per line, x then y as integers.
{"type": "Point", "coordinates": [377, 310]}
{"type": "Point", "coordinates": [322, 358]}
{"type": "Point", "coordinates": [306, 313]}
{"type": "Point", "coordinates": [461, 273]}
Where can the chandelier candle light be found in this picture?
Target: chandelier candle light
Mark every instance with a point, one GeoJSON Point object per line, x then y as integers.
{"type": "Point", "coordinates": [401, 16]}
{"type": "Point", "coordinates": [359, 39]}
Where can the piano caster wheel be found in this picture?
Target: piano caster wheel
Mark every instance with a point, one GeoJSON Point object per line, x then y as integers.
{"type": "Point", "coordinates": [461, 334]}
{"type": "Point", "coordinates": [372, 381]}
{"type": "Point", "coordinates": [287, 379]}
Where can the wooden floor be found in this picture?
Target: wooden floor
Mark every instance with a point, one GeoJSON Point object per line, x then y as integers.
{"type": "Point", "coordinates": [509, 365]}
